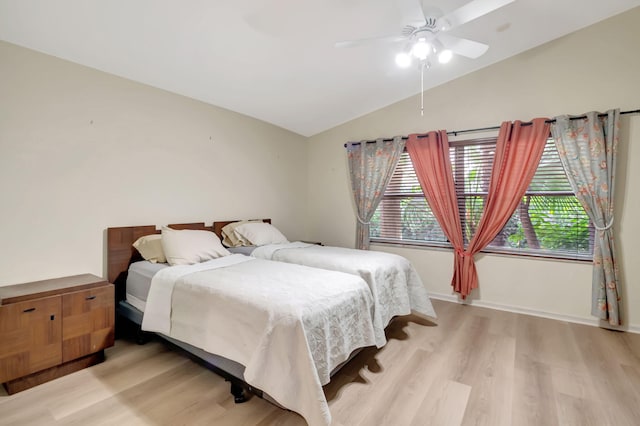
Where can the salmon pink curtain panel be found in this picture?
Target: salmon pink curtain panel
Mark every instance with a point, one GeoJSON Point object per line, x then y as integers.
{"type": "Point", "coordinates": [587, 147]}
{"type": "Point", "coordinates": [518, 151]}
{"type": "Point", "coordinates": [430, 157]}
{"type": "Point", "coordinates": [371, 166]}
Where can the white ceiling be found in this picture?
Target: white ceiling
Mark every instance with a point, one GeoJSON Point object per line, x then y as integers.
{"type": "Point", "coordinates": [275, 60]}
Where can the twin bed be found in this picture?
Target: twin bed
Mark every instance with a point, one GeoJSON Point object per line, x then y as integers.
{"type": "Point", "coordinates": [395, 286]}
{"type": "Point", "coordinates": [279, 328]}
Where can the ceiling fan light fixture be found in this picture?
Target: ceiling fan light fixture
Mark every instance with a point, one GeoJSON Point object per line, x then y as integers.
{"type": "Point", "coordinates": [421, 49]}
{"type": "Point", "coordinates": [426, 34]}
{"type": "Point", "coordinates": [445, 56]}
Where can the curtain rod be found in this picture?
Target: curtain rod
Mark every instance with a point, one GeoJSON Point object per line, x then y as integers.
{"type": "Point", "coordinates": [484, 129]}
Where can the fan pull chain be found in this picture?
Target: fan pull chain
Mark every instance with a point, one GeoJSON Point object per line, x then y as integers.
{"type": "Point", "coordinates": [422, 89]}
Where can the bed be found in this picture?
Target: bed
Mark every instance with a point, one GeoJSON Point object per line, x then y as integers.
{"type": "Point", "coordinates": [395, 285]}
{"type": "Point", "coordinates": [278, 330]}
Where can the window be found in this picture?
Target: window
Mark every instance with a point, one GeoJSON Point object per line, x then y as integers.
{"type": "Point", "coordinates": [549, 221]}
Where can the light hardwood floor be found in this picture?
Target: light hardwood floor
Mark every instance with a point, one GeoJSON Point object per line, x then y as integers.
{"type": "Point", "coordinates": [476, 367]}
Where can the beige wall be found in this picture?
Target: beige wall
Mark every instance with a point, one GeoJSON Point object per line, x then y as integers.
{"type": "Point", "coordinates": [596, 68]}
{"type": "Point", "coordinates": [81, 150]}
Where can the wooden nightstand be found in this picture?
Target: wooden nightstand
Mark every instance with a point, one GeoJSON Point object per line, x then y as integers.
{"type": "Point", "coordinates": [53, 327]}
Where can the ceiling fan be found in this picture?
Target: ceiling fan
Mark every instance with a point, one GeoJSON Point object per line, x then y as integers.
{"type": "Point", "coordinates": [426, 35]}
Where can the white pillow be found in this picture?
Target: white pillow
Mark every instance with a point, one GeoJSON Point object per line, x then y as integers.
{"type": "Point", "coordinates": [188, 246]}
{"type": "Point", "coordinates": [260, 234]}
{"type": "Point", "coordinates": [150, 247]}
{"type": "Point", "coordinates": [231, 238]}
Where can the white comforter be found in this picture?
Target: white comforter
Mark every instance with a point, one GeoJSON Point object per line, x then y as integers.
{"type": "Point", "coordinates": [396, 287]}
{"type": "Point", "coordinates": [289, 325]}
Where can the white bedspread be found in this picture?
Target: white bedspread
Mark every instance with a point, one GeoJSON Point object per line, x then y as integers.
{"type": "Point", "coordinates": [396, 287]}
{"type": "Point", "coordinates": [289, 325]}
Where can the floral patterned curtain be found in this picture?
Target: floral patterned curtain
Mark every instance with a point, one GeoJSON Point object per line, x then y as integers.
{"type": "Point", "coordinates": [371, 166]}
{"type": "Point", "coordinates": [587, 148]}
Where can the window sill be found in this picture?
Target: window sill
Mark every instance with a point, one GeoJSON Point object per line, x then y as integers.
{"type": "Point", "coordinates": [491, 251]}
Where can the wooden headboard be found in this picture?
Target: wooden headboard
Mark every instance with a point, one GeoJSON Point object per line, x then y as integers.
{"type": "Point", "coordinates": [217, 226]}
{"type": "Point", "coordinates": [121, 253]}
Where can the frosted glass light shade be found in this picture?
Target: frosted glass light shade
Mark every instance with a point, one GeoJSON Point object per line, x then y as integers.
{"type": "Point", "coordinates": [421, 49]}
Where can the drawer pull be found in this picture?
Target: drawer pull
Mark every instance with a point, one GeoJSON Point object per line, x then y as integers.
{"type": "Point", "coordinates": [29, 310]}
{"type": "Point", "coordinates": [90, 298]}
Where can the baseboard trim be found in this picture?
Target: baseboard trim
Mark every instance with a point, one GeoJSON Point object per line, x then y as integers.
{"type": "Point", "coordinates": [527, 311]}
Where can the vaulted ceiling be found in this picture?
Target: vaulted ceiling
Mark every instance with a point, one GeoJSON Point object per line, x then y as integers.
{"type": "Point", "coordinates": [275, 60]}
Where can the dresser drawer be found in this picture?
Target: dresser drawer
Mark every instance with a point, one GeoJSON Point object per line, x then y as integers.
{"type": "Point", "coordinates": [30, 335]}
{"type": "Point", "coordinates": [88, 318]}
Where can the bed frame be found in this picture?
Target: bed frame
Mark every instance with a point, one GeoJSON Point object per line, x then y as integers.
{"type": "Point", "coordinates": [120, 254]}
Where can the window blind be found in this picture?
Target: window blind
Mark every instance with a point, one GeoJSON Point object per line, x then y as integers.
{"type": "Point", "coordinates": [549, 220]}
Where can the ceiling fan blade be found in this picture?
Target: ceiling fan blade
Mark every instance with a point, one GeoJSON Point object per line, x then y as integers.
{"type": "Point", "coordinates": [462, 46]}
{"type": "Point", "coordinates": [412, 13]}
{"type": "Point", "coordinates": [469, 12]}
{"type": "Point", "coordinates": [363, 41]}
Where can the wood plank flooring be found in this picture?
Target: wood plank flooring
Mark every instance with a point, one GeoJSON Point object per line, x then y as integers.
{"type": "Point", "coordinates": [475, 367]}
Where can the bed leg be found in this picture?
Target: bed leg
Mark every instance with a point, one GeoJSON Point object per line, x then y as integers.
{"type": "Point", "coordinates": [142, 337]}
{"type": "Point", "coordinates": [238, 393]}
